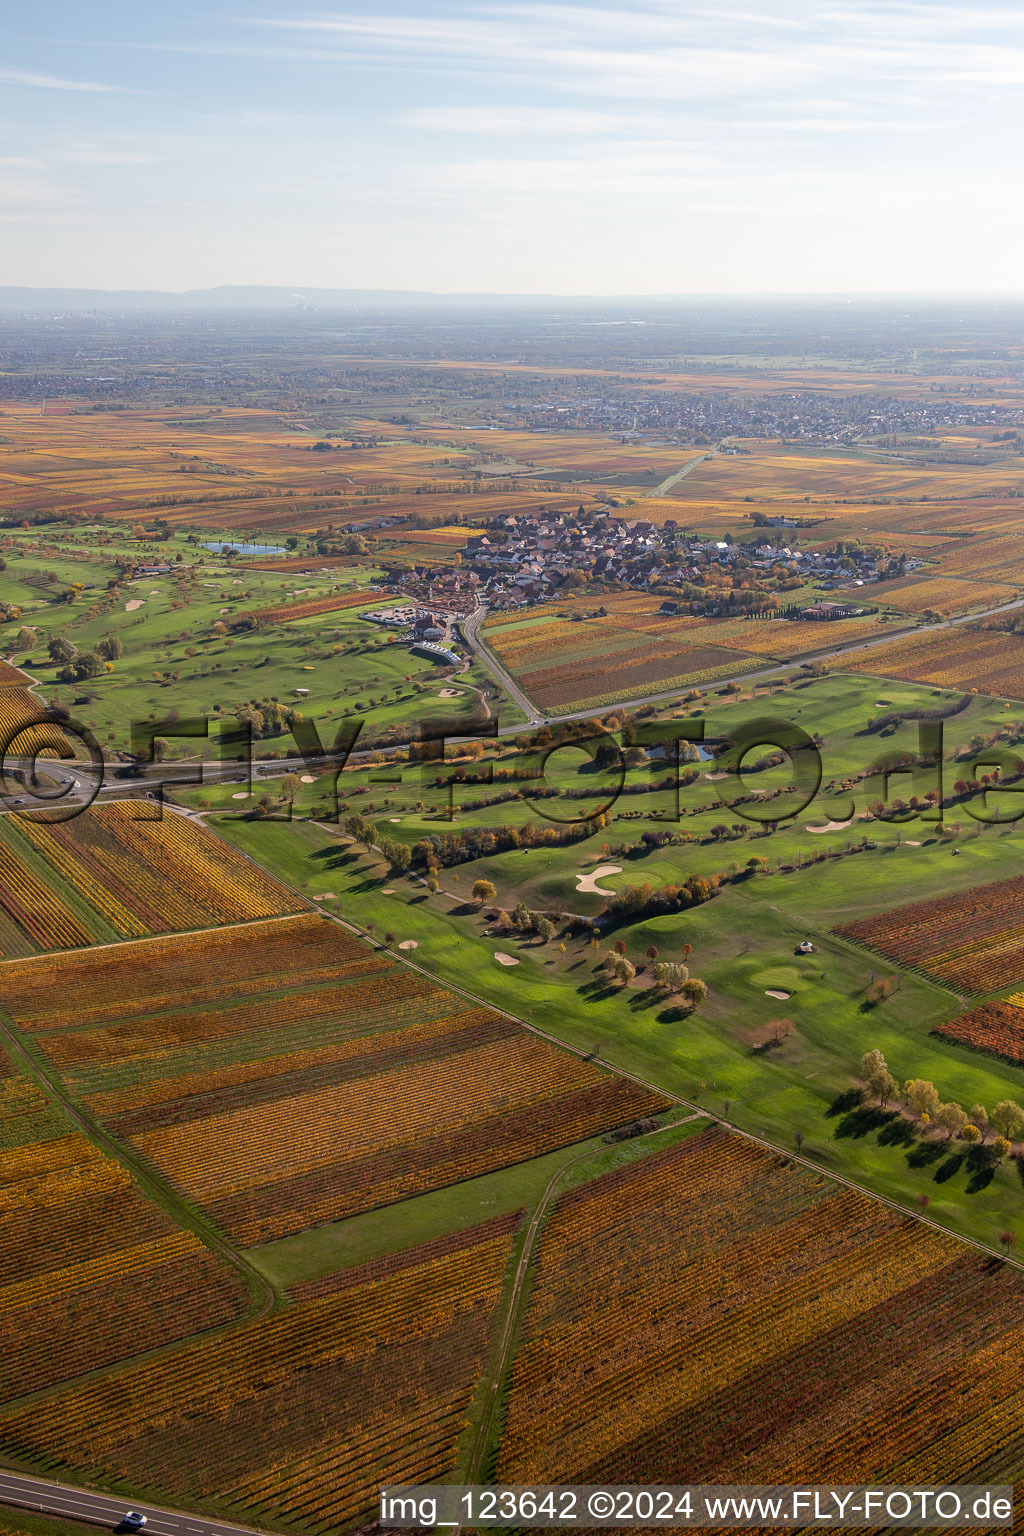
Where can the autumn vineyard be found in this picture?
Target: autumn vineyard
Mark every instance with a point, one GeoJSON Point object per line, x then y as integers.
{"type": "Point", "coordinates": [562, 1081]}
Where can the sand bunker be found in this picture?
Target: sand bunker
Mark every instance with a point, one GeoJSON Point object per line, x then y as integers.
{"type": "Point", "coordinates": [308, 778]}
{"type": "Point", "coordinates": [712, 776]}
{"type": "Point", "coordinates": [774, 992]}
{"type": "Point", "coordinates": [831, 826]}
{"type": "Point", "coordinates": [503, 959]}
{"type": "Point", "coordinates": [388, 891]}
{"type": "Point", "coordinates": [242, 794]}
{"type": "Point", "coordinates": [327, 896]}
{"type": "Point", "coordinates": [589, 882]}
{"type": "Point", "coordinates": [450, 693]}
{"type": "Point", "coordinates": [136, 602]}
{"type": "Point", "coordinates": [394, 818]}
{"type": "Point", "coordinates": [911, 843]}
{"type": "Point", "coordinates": [409, 944]}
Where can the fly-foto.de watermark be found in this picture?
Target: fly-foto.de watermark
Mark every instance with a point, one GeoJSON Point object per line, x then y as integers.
{"type": "Point", "coordinates": [661, 759]}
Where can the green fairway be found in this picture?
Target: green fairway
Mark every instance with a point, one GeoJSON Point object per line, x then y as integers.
{"type": "Point", "coordinates": [743, 943]}
{"type": "Point", "coordinates": [186, 650]}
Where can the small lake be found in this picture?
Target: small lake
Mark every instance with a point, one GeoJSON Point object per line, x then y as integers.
{"type": "Point", "coordinates": [244, 549]}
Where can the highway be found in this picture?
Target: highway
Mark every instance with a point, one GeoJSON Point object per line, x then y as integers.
{"type": "Point", "coordinates": [52, 1498]}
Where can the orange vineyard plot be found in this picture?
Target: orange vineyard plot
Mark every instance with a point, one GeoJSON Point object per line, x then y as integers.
{"type": "Point", "coordinates": [263, 1085]}
{"type": "Point", "coordinates": [19, 733]}
{"type": "Point", "coordinates": [773, 473]}
{"type": "Point", "coordinates": [112, 872]}
{"type": "Point", "coordinates": [944, 595]}
{"type": "Point", "coordinates": [987, 922]}
{"type": "Point", "coordinates": [90, 1271]}
{"type": "Point", "coordinates": [996, 1028]}
{"type": "Point", "coordinates": [197, 968]}
{"type": "Point", "coordinates": [297, 1419]}
{"type": "Point", "coordinates": [715, 1314]}
{"type": "Point", "coordinates": [310, 608]}
{"type": "Point", "coordinates": [963, 657]}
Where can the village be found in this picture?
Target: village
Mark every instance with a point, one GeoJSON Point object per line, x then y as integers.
{"type": "Point", "coordinates": [533, 557]}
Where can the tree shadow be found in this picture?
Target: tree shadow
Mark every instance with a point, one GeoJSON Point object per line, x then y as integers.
{"type": "Point", "coordinates": [860, 1122]}
{"type": "Point", "coordinates": [844, 1102]}
{"type": "Point", "coordinates": [952, 1164]}
{"type": "Point", "coordinates": [924, 1154]}
{"type": "Point", "coordinates": [598, 990]}
{"type": "Point", "coordinates": [648, 998]}
{"type": "Point", "coordinates": [898, 1133]}
{"type": "Point", "coordinates": [673, 1015]}
{"type": "Point", "coordinates": [981, 1167]}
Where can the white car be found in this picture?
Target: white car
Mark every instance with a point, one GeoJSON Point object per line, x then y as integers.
{"type": "Point", "coordinates": [133, 1521]}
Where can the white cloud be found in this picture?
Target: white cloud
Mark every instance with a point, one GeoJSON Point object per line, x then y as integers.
{"type": "Point", "coordinates": [39, 82]}
{"type": "Point", "coordinates": [508, 120]}
{"type": "Point", "coordinates": [95, 154]}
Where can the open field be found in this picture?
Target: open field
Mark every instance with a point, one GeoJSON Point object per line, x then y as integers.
{"type": "Point", "coordinates": [115, 872]}
{"type": "Point", "coordinates": [276, 1111]}
{"type": "Point", "coordinates": [964, 657]}
{"type": "Point", "coordinates": [801, 1333]}
{"type": "Point", "coordinates": [299, 1418]}
{"type": "Point", "coordinates": [824, 869]}
{"type": "Point", "coordinates": [585, 651]}
{"type": "Point", "coordinates": [974, 940]}
{"type": "Point", "coordinates": [90, 1270]}
{"type": "Point", "coordinates": [189, 641]}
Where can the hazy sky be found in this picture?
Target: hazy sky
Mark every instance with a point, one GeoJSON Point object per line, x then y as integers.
{"type": "Point", "coordinates": [654, 146]}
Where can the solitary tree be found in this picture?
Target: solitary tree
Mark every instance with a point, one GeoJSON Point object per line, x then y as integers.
{"type": "Point", "coordinates": [694, 991]}
{"type": "Point", "coordinates": [545, 929]}
{"type": "Point", "coordinates": [483, 891]}
{"type": "Point", "coordinates": [1008, 1240]}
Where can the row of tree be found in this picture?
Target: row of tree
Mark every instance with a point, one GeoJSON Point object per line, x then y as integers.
{"type": "Point", "coordinates": [1003, 1123]}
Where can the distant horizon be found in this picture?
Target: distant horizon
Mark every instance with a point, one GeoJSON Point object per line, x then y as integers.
{"type": "Point", "coordinates": [296, 296]}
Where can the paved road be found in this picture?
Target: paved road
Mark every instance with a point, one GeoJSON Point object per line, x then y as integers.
{"type": "Point", "coordinates": [80, 777]}
{"type": "Point", "coordinates": [471, 630]}
{"type": "Point", "coordinates": [765, 671]}
{"type": "Point", "coordinates": [681, 474]}
{"type": "Point", "coordinates": [53, 1498]}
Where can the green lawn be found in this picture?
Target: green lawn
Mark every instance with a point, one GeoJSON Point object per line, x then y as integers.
{"type": "Point", "coordinates": [341, 1244]}
{"type": "Point", "coordinates": [175, 662]}
{"type": "Point", "coordinates": [743, 945]}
